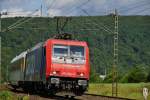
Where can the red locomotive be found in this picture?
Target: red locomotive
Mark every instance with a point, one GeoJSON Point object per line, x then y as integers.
{"type": "Point", "coordinates": [53, 66]}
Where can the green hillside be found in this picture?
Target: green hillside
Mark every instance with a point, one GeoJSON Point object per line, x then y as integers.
{"type": "Point", "coordinates": [134, 40]}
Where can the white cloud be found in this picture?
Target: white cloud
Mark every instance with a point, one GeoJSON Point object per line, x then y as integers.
{"type": "Point", "coordinates": [20, 12]}
{"type": "Point", "coordinates": [54, 12]}
{"type": "Point", "coordinates": [70, 7]}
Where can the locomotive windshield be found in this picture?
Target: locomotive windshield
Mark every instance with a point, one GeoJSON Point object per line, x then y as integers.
{"type": "Point", "coordinates": [76, 51]}
{"type": "Point", "coordinates": [60, 50]}
{"type": "Point", "coordinates": [68, 54]}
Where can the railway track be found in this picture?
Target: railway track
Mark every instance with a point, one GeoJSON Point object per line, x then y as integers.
{"type": "Point", "coordinates": [102, 97]}
{"type": "Point", "coordinates": [43, 96]}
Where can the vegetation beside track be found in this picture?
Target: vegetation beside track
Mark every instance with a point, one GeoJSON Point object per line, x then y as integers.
{"type": "Point", "coordinates": [8, 95]}
{"type": "Point", "coordinates": [125, 90]}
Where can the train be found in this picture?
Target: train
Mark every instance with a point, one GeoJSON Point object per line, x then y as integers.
{"type": "Point", "coordinates": [52, 66]}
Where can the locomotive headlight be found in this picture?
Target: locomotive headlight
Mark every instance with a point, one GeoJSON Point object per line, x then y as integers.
{"type": "Point", "coordinates": [54, 72]}
{"type": "Point", "coordinates": [81, 74]}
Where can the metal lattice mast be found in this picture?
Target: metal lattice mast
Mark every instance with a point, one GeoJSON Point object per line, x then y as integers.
{"type": "Point", "coordinates": [41, 10]}
{"type": "Point", "coordinates": [0, 64]}
{"type": "Point", "coordinates": [115, 57]}
{"type": "Point", "coordinates": [0, 23]}
{"type": "Point", "coordinates": [1, 14]}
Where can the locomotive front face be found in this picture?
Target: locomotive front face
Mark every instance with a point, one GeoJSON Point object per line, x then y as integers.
{"type": "Point", "coordinates": [68, 61]}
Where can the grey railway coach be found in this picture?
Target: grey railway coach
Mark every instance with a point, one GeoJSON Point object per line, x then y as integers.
{"type": "Point", "coordinates": [17, 69]}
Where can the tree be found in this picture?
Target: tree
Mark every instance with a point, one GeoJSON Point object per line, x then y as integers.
{"type": "Point", "coordinates": [134, 45]}
{"type": "Point", "coordinates": [136, 75]}
{"type": "Point", "coordinates": [148, 77]}
{"type": "Point", "coordinates": [94, 77]}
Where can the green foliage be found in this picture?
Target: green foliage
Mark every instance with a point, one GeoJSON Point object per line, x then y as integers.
{"type": "Point", "coordinates": [26, 98]}
{"type": "Point", "coordinates": [136, 75]}
{"type": "Point", "coordinates": [125, 90]}
{"type": "Point", "coordinates": [148, 77]}
{"type": "Point", "coordinates": [108, 78]}
{"type": "Point", "coordinates": [124, 79]}
{"type": "Point", "coordinates": [6, 95]}
{"type": "Point", "coordinates": [134, 40]}
{"type": "Point", "coordinates": [94, 77]}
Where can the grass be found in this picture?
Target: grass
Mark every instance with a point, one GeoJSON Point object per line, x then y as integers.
{"type": "Point", "coordinates": [127, 90]}
{"type": "Point", "coordinates": [8, 95]}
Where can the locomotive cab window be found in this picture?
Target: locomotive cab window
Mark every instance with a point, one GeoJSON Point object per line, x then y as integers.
{"type": "Point", "coordinates": [77, 51]}
{"type": "Point", "coordinates": [60, 50]}
{"type": "Point", "coordinates": [68, 54]}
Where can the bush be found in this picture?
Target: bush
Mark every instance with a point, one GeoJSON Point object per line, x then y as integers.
{"type": "Point", "coordinates": [124, 79]}
{"type": "Point", "coordinates": [136, 75]}
{"type": "Point", "coordinates": [148, 77]}
{"type": "Point", "coordinates": [26, 98]}
{"type": "Point", "coordinates": [5, 95]}
{"type": "Point", "coordinates": [108, 78]}
{"type": "Point", "coordinates": [94, 77]}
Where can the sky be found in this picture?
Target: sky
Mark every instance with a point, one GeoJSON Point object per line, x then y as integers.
{"type": "Point", "coordinates": [53, 8]}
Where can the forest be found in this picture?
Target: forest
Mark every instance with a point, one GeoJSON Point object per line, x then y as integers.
{"type": "Point", "coordinates": [97, 31]}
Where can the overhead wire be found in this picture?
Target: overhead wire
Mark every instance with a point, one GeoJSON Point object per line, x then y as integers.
{"type": "Point", "coordinates": [51, 3]}
{"type": "Point", "coordinates": [104, 26]}
{"type": "Point", "coordinates": [76, 7]}
{"type": "Point", "coordinates": [93, 22]}
{"type": "Point", "coordinates": [63, 8]}
{"type": "Point", "coordinates": [136, 5]}
{"type": "Point", "coordinates": [141, 10]}
{"type": "Point", "coordinates": [144, 10]}
{"type": "Point", "coordinates": [120, 10]}
{"type": "Point", "coordinates": [131, 5]}
{"type": "Point", "coordinates": [50, 6]}
{"type": "Point", "coordinates": [71, 10]}
{"type": "Point", "coordinates": [41, 28]}
{"type": "Point", "coordinates": [102, 45]}
{"type": "Point", "coordinates": [19, 22]}
{"type": "Point", "coordinates": [21, 19]}
{"type": "Point", "coordinates": [84, 3]}
{"type": "Point", "coordinates": [70, 5]}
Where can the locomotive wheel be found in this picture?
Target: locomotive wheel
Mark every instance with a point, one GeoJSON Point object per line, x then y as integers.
{"type": "Point", "coordinates": [79, 91]}
{"type": "Point", "coordinates": [25, 89]}
{"type": "Point", "coordinates": [51, 92]}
